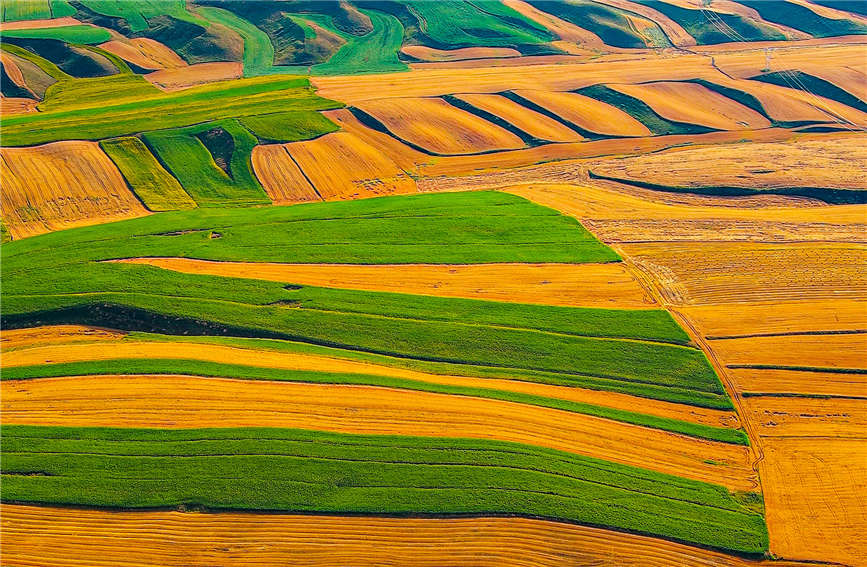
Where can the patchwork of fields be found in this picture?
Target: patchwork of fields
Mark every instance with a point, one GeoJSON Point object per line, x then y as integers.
{"type": "Point", "coordinates": [470, 283]}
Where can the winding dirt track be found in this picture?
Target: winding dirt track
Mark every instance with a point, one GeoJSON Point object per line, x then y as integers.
{"type": "Point", "coordinates": [588, 285]}
{"type": "Point", "coordinates": [52, 537]}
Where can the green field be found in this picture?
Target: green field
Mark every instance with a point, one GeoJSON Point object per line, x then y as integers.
{"type": "Point", "coordinates": [71, 34]}
{"type": "Point", "coordinates": [804, 19]}
{"type": "Point", "coordinates": [288, 126]}
{"type": "Point", "coordinates": [605, 21]}
{"type": "Point", "coordinates": [103, 118]}
{"type": "Point", "coordinates": [374, 52]}
{"type": "Point", "coordinates": [211, 161]}
{"type": "Point", "coordinates": [148, 179]}
{"type": "Point", "coordinates": [709, 27]}
{"type": "Point", "coordinates": [307, 471]}
{"type": "Point", "coordinates": [87, 93]}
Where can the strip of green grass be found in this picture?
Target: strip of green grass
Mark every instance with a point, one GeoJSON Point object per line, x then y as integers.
{"type": "Point", "coordinates": [105, 118]}
{"type": "Point", "coordinates": [705, 25]}
{"type": "Point", "coordinates": [87, 92]}
{"type": "Point", "coordinates": [151, 183]}
{"type": "Point", "coordinates": [71, 34]}
{"type": "Point", "coordinates": [311, 471]}
{"type": "Point", "coordinates": [288, 126]}
{"type": "Point", "coordinates": [374, 52]}
{"type": "Point", "coordinates": [217, 370]}
{"type": "Point", "coordinates": [183, 152]}
{"type": "Point", "coordinates": [803, 18]}
{"type": "Point", "coordinates": [641, 112]}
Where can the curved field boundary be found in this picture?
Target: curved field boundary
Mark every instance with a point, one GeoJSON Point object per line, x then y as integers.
{"type": "Point", "coordinates": [439, 127]}
{"type": "Point", "coordinates": [316, 471]}
{"type": "Point", "coordinates": [145, 53]}
{"type": "Point", "coordinates": [171, 538]}
{"type": "Point", "coordinates": [77, 34]}
{"type": "Point", "coordinates": [678, 36]}
{"type": "Point", "coordinates": [593, 118]}
{"type": "Point", "coordinates": [561, 28]}
{"type": "Point", "coordinates": [343, 404]}
{"type": "Point", "coordinates": [569, 285]}
{"type": "Point", "coordinates": [62, 185]}
{"type": "Point", "coordinates": [528, 139]}
{"type": "Point", "coordinates": [180, 78]}
{"type": "Point", "coordinates": [156, 187]}
{"type": "Point", "coordinates": [17, 338]}
{"type": "Point", "coordinates": [377, 49]}
{"type": "Point", "coordinates": [280, 176]}
{"type": "Point", "coordinates": [536, 125]}
{"type": "Point", "coordinates": [693, 104]}
{"type": "Point", "coordinates": [813, 84]}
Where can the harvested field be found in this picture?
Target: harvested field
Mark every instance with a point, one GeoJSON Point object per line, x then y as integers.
{"type": "Point", "coordinates": [587, 285]}
{"type": "Point", "coordinates": [175, 79]}
{"type": "Point", "coordinates": [61, 185]}
{"type": "Point", "coordinates": [325, 363]}
{"type": "Point", "coordinates": [437, 126]}
{"type": "Point", "coordinates": [563, 29]}
{"type": "Point", "coordinates": [41, 24]}
{"type": "Point", "coordinates": [537, 125]}
{"type": "Point", "coordinates": [145, 52]}
{"type": "Point", "coordinates": [14, 338]}
{"type": "Point", "coordinates": [826, 351]}
{"type": "Point", "coordinates": [819, 418]}
{"type": "Point", "coordinates": [775, 381]}
{"type": "Point", "coordinates": [425, 53]}
{"type": "Point", "coordinates": [190, 402]}
{"type": "Point", "coordinates": [341, 166]}
{"type": "Point", "coordinates": [690, 273]}
{"type": "Point", "coordinates": [677, 102]}
{"type": "Point", "coordinates": [674, 31]}
{"type": "Point", "coordinates": [9, 105]}
{"type": "Point", "coordinates": [173, 539]}
{"type": "Point", "coordinates": [280, 176]}
{"type": "Point", "coordinates": [823, 162]}
{"type": "Point", "coordinates": [404, 156]}
{"type": "Point", "coordinates": [588, 113]}
{"type": "Point", "coordinates": [814, 502]}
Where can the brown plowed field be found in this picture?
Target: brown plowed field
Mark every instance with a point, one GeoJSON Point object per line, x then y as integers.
{"type": "Point", "coordinates": [51, 537]}
{"type": "Point", "coordinates": [439, 127]}
{"type": "Point", "coordinates": [192, 75]}
{"type": "Point", "coordinates": [316, 363]}
{"type": "Point", "coordinates": [430, 54]}
{"type": "Point", "coordinates": [146, 53]}
{"type": "Point", "coordinates": [190, 402]}
{"type": "Point", "coordinates": [54, 334]}
{"type": "Point", "coordinates": [588, 113]}
{"type": "Point", "coordinates": [814, 497]}
{"type": "Point", "coordinates": [280, 176]}
{"type": "Point", "coordinates": [587, 285]}
{"type": "Point", "coordinates": [533, 123]}
{"type": "Point", "coordinates": [694, 104]}
{"type": "Point", "coordinates": [820, 162]}
{"type": "Point", "coordinates": [61, 185]}
{"type": "Point", "coordinates": [342, 166]}
{"type": "Point", "coordinates": [695, 273]}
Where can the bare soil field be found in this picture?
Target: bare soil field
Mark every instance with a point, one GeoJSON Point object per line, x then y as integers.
{"type": "Point", "coordinates": [50, 537]}
{"type": "Point", "coordinates": [61, 185]}
{"type": "Point", "coordinates": [586, 285]}
{"type": "Point", "coordinates": [191, 402]}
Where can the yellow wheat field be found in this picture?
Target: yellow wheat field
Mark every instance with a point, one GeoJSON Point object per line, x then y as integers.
{"type": "Point", "coordinates": [280, 176]}
{"type": "Point", "coordinates": [61, 185]}
{"type": "Point", "coordinates": [533, 123]}
{"type": "Point", "coordinates": [588, 113]}
{"type": "Point", "coordinates": [425, 53]}
{"type": "Point", "coordinates": [145, 52]}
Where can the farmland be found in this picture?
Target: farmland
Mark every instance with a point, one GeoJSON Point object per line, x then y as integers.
{"type": "Point", "coordinates": [494, 282]}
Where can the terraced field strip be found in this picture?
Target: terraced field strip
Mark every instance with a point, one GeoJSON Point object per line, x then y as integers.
{"type": "Point", "coordinates": [171, 538]}
{"type": "Point", "coordinates": [680, 102]}
{"type": "Point", "coordinates": [817, 383]}
{"type": "Point", "coordinates": [341, 166]}
{"type": "Point", "coordinates": [62, 185]}
{"type": "Point", "coordinates": [191, 402]}
{"type": "Point", "coordinates": [694, 273]}
{"type": "Point", "coordinates": [158, 110]}
{"type": "Point", "coordinates": [175, 79]}
{"type": "Point", "coordinates": [425, 53]}
{"type": "Point", "coordinates": [587, 113]}
{"type": "Point", "coordinates": [438, 127]}
{"type": "Point", "coordinates": [315, 471]}
{"type": "Point", "coordinates": [533, 123]}
{"type": "Point", "coordinates": [588, 285]}
{"type": "Point", "coordinates": [305, 363]}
